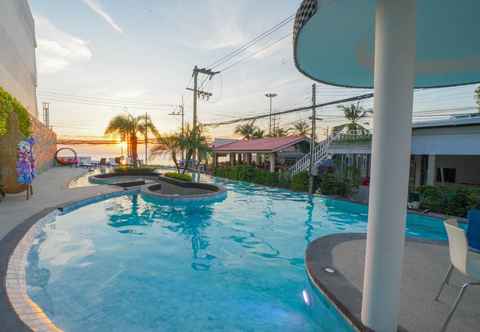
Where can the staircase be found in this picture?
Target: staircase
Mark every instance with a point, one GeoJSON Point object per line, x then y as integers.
{"type": "Point", "coordinates": [320, 153]}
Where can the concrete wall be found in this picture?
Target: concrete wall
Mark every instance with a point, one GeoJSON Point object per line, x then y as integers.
{"type": "Point", "coordinates": [45, 147]}
{"type": "Point", "coordinates": [18, 72]}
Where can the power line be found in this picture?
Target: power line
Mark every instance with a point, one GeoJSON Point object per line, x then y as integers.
{"type": "Point", "coordinates": [252, 42]}
{"type": "Point", "coordinates": [299, 109]}
{"type": "Point", "coordinates": [256, 53]}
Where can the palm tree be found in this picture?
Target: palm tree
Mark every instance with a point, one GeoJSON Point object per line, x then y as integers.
{"type": "Point", "coordinates": [353, 113]}
{"type": "Point", "coordinates": [191, 141]}
{"type": "Point", "coordinates": [170, 143]}
{"type": "Point", "coordinates": [128, 127]}
{"type": "Point", "coordinates": [194, 141]}
{"type": "Point", "coordinates": [301, 128]}
{"type": "Point", "coordinates": [258, 133]}
{"type": "Point", "coordinates": [247, 130]}
{"type": "Point", "coordinates": [279, 132]}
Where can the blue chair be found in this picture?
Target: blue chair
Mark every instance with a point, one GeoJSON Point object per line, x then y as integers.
{"type": "Point", "coordinates": [473, 230]}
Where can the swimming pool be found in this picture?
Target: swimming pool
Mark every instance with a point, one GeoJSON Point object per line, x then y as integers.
{"type": "Point", "coordinates": [128, 264]}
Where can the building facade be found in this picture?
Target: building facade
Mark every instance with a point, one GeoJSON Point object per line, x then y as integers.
{"type": "Point", "coordinates": [18, 76]}
{"type": "Point", "coordinates": [18, 70]}
{"type": "Point", "coordinates": [443, 152]}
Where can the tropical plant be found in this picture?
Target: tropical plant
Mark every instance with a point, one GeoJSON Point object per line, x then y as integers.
{"type": "Point", "coordinates": [191, 142]}
{"type": "Point", "coordinates": [258, 133]}
{"type": "Point", "coordinates": [128, 128]}
{"type": "Point", "coordinates": [248, 130]}
{"type": "Point", "coordinates": [181, 177]}
{"type": "Point", "coordinates": [353, 113]}
{"type": "Point", "coordinates": [194, 142]}
{"type": "Point", "coordinates": [279, 132]}
{"type": "Point", "coordinates": [301, 127]}
{"type": "Point", "coordinates": [170, 143]}
{"type": "Point", "coordinates": [9, 104]}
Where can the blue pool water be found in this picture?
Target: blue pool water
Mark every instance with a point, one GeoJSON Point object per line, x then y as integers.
{"type": "Point", "coordinates": [127, 264]}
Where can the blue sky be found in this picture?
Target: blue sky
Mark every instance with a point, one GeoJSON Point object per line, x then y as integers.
{"type": "Point", "coordinates": [143, 51]}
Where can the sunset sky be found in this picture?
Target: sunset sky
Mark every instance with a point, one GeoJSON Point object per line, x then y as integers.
{"type": "Point", "coordinates": [96, 57]}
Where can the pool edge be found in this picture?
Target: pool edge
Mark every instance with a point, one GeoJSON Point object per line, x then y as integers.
{"type": "Point", "coordinates": [17, 310]}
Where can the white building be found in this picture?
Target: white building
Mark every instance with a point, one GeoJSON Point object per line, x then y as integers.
{"type": "Point", "coordinates": [18, 72]}
{"type": "Point", "coordinates": [443, 151]}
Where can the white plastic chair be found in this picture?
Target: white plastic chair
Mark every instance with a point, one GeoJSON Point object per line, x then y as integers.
{"type": "Point", "coordinates": [462, 259]}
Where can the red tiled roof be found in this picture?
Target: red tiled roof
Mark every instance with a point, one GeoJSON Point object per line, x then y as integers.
{"type": "Point", "coordinates": [267, 144]}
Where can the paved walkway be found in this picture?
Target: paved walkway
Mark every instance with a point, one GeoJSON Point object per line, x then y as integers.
{"type": "Point", "coordinates": [50, 189]}
{"type": "Point", "coordinates": [425, 264]}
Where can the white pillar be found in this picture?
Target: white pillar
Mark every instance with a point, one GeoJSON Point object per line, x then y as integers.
{"type": "Point", "coordinates": [431, 170]}
{"type": "Point", "coordinates": [395, 36]}
{"type": "Point", "coordinates": [272, 162]}
{"type": "Point", "coordinates": [418, 171]}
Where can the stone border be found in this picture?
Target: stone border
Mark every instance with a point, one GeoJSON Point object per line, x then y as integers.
{"type": "Point", "coordinates": [104, 178]}
{"type": "Point", "coordinates": [18, 311]}
{"type": "Point", "coordinates": [217, 192]}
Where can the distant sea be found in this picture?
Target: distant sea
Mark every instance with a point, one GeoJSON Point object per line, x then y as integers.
{"type": "Point", "coordinates": [98, 151]}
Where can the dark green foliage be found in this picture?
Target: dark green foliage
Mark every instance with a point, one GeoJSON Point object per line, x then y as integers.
{"type": "Point", "coordinates": [179, 176]}
{"type": "Point", "coordinates": [340, 185]}
{"type": "Point", "coordinates": [9, 104]}
{"type": "Point", "coordinates": [300, 182]}
{"type": "Point", "coordinates": [449, 200]}
{"type": "Point", "coordinates": [134, 170]}
{"type": "Point", "coordinates": [254, 175]}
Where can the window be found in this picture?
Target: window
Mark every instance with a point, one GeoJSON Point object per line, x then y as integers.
{"type": "Point", "coordinates": [449, 175]}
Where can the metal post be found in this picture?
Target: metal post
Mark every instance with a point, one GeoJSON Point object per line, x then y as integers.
{"type": "Point", "coordinates": [395, 39]}
{"type": "Point", "coordinates": [270, 96]}
{"type": "Point", "coordinates": [146, 138]}
{"type": "Point", "coordinates": [312, 142]}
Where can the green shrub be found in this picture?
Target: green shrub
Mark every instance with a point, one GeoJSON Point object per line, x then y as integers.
{"type": "Point", "coordinates": [254, 175]}
{"type": "Point", "coordinates": [133, 170]}
{"type": "Point", "coordinates": [300, 182]}
{"type": "Point", "coordinates": [450, 200]}
{"type": "Point", "coordinates": [178, 176]}
{"type": "Point", "coordinates": [328, 184]}
{"type": "Point", "coordinates": [9, 104]}
{"type": "Point", "coordinates": [337, 185]}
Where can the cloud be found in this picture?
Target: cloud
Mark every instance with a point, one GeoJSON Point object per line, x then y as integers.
{"type": "Point", "coordinates": [57, 49]}
{"type": "Point", "coordinates": [98, 9]}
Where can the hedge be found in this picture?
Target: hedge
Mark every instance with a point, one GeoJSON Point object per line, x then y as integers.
{"type": "Point", "coordinates": [453, 200]}
{"type": "Point", "coordinates": [9, 104]}
{"type": "Point", "coordinates": [178, 176]}
{"type": "Point", "coordinates": [134, 170]}
{"type": "Point", "coordinates": [252, 174]}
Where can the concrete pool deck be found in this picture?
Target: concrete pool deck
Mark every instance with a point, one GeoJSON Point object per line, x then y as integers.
{"type": "Point", "coordinates": [424, 267]}
{"type": "Point", "coordinates": [50, 189]}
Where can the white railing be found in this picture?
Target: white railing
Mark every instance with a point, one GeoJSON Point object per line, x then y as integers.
{"type": "Point", "coordinates": [320, 152]}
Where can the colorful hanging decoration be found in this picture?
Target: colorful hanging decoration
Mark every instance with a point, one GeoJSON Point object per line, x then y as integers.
{"type": "Point", "coordinates": [25, 162]}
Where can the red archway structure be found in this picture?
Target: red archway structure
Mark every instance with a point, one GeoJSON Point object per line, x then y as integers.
{"type": "Point", "coordinates": [66, 161]}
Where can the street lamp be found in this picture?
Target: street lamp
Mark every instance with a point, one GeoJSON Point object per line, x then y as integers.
{"type": "Point", "coordinates": [270, 96]}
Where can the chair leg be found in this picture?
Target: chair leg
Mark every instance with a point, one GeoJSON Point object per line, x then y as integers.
{"type": "Point", "coordinates": [455, 305]}
{"type": "Point", "coordinates": [445, 281]}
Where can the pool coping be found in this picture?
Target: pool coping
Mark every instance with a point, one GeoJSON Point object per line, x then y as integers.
{"type": "Point", "coordinates": [18, 312]}
{"type": "Point", "coordinates": [320, 278]}
{"type": "Point", "coordinates": [217, 192]}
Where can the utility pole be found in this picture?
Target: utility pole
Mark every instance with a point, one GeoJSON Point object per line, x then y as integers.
{"type": "Point", "coordinates": [199, 93]}
{"type": "Point", "coordinates": [313, 136]}
{"type": "Point", "coordinates": [146, 138]}
{"type": "Point", "coordinates": [181, 112]}
{"type": "Point", "coordinates": [270, 96]}
{"type": "Point", "coordinates": [46, 114]}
